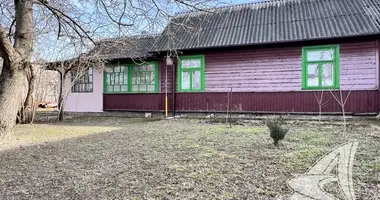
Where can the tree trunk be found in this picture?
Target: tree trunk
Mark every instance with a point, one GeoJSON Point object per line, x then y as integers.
{"type": "Point", "coordinates": [27, 110]}
{"type": "Point", "coordinates": [29, 94]}
{"type": "Point", "coordinates": [61, 97]}
{"type": "Point", "coordinates": [16, 57]}
{"type": "Point", "coordinates": [10, 94]}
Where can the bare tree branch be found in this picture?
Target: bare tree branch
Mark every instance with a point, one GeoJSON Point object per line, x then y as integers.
{"type": "Point", "coordinates": [10, 28]}
{"type": "Point", "coordinates": [111, 18]}
{"type": "Point", "coordinates": [61, 16]}
{"type": "Point", "coordinates": [7, 52]}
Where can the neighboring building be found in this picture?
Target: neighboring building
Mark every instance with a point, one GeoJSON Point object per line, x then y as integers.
{"type": "Point", "coordinates": [277, 56]}
{"type": "Point", "coordinates": [45, 85]}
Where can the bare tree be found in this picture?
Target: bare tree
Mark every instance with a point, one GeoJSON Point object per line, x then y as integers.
{"type": "Point", "coordinates": [42, 25]}
{"type": "Point", "coordinates": [40, 88]}
{"type": "Point", "coordinates": [71, 71]}
{"type": "Point", "coordinates": [321, 103]}
{"type": "Point", "coordinates": [26, 110]}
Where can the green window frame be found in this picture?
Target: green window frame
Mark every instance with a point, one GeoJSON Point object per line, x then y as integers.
{"type": "Point", "coordinates": [131, 78]}
{"type": "Point", "coordinates": [84, 83]}
{"type": "Point", "coordinates": [144, 78]}
{"type": "Point", "coordinates": [191, 69]}
{"type": "Point", "coordinates": [116, 78]}
{"type": "Point", "coordinates": [320, 67]}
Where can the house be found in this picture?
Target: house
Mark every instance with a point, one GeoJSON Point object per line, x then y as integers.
{"type": "Point", "coordinates": [280, 56]}
{"type": "Point", "coordinates": [45, 89]}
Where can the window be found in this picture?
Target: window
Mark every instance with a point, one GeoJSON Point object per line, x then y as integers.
{"type": "Point", "coordinates": [191, 73]}
{"type": "Point", "coordinates": [320, 67]}
{"type": "Point", "coordinates": [123, 78]}
{"type": "Point", "coordinates": [143, 78]}
{"type": "Point", "coordinates": [116, 78]}
{"type": "Point", "coordinates": [84, 82]}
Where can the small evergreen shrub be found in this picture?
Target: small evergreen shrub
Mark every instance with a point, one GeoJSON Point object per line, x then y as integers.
{"type": "Point", "coordinates": [277, 130]}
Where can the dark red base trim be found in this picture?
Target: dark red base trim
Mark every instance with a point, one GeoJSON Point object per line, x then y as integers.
{"type": "Point", "coordinates": [302, 102]}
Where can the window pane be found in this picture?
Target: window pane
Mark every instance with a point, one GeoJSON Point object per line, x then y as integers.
{"type": "Point", "coordinates": [124, 88]}
{"type": "Point", "coordinates": [136, 68]}
{"type": "Point", "coordinates": [196, 80]}
{"type": "Point", "coordinates": [191, 63]}
{"type": "Point", "coordinates": [117, 69]}
{"type": "Point", "coordinates": [150, 67]}
{"type": "Point", "coordinates": [116, 78]}
{"type": "Point", "coordinates": [142, 88]}
{"type": "Point", "coordinates": [90, 79]}
{"type": "Point", "coordinates": [142, 77]}
{"type": "Point", "coordinates": [150, 88]}
{"type": "Point", "coordinates": [87, 87]}
{"type": "Point", "coordinates": [122, 68]}
{"type": "Point", "coordinates": [82, 87]}
{"type": "Point", "coordinates": [121, 79]}
{"type": "Point", "coordinates": [320, 55]}
{"type": "Point", "coordinates": [109, 69]}
{"type": "Point", "coordinates": [327, 74]}
{"type": "Point", "coordinates": [112, 81]}
{"type": "Point", "coordinates": [125, 79]}
{"type": "Point", "coordinates": [110, 88]}
{"type": "Point", "coordinates": [108, 79]}
{"type": "Point", "coordinates": [76, 87]}
{"type": "Point", "coordinates": [135, 88]}
{"type": "Point", "coordinates": [185, 80]}
{"type": "Point", "coordinates": [152, 78]}
{"type": "Point", "coordinates": [147, 77]}
{"type": "Point", "coordinates": [312, 75]}
{"type": "Point", "coordinates": [90, 87]}
{"type": "Point", "coordinates": [116, 88]}
{"type": "Point", "coordinates": [90, 70]}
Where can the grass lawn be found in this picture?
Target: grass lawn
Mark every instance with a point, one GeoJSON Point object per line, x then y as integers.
{"type": "Point", "coordinates": [123, 158]}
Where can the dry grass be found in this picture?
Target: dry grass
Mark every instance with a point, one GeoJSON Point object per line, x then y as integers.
{"type": "Point", "coordinates": [121, 158]}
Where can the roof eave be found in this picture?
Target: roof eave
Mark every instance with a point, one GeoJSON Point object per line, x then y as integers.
{"type": "Point", "coordinates": [271, 43]}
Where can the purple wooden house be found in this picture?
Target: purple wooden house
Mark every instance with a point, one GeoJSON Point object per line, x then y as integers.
{"type": "Point", "coordinates": [280, 56]}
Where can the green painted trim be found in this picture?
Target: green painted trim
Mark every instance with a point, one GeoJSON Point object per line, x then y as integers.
{"type": "Point", "coordinates": [104, 81]}
{"type": "Point", "coordinates": [130, 65]}
{"type": "Point", "coordinates": [200, 69]}
{"type": "Point", "coordinates": [156, 83]}
{"type": "Point", "coordinates": [336, 67]}
{"type": "Point", "coordinates": [129, 78]}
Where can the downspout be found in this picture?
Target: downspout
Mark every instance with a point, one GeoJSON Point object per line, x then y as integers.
{"type": "Point", "coordinates": [174, 89]}
{"type": "Point", "coordinates": [169, 62]}
{"type": "Point", "coordinates": [166, 90]}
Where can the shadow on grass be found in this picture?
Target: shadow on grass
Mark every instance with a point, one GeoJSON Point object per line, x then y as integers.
{"type": "Point", "coordinates": [98, 121]}
{"type": "Point", "coordinates": [168, 160]}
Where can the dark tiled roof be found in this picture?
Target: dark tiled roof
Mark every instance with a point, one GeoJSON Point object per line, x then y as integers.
{"type": "Point", "coordinates": [272, 22]}
{"type": "Point", "coordinates": [125, 47]}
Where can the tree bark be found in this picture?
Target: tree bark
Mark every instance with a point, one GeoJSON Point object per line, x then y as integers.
{"type": "Point", "coordinates": [10, 94]}
{"type": "Point", "coordinates": [16, 59]}
{"type": "Point", "coordinates": [61, 97]}
{"type": "Point", "coordinates": [29, 94]}
{"type": "Point", "coordinates": [27, 109]}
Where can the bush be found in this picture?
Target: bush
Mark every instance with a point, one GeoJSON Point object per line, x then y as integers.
{"type": "Point", "coordinates": [277, 131]}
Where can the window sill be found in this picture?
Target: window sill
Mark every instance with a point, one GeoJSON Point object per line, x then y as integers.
{"type": "Point", "coordinates": [131, 93]}
{"type": "Point", "coordinates": [321, 88]}
{"type": "Point", "coordinates": [190, 91]}
{"type": "Point", "coordinates": [82, 92]}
